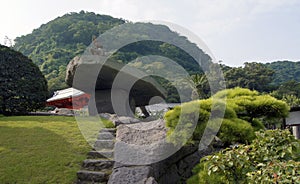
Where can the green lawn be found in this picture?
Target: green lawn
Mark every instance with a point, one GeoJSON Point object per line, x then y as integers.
{"type": "Point", "coordinates": [40, 149]}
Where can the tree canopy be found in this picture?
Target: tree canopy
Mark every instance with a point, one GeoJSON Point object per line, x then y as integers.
{"type": "Point", "coordinates": [284, 71]}
{"type": "Point", "coordinates": [254, 76]}
{"type": "Point", "coordinates": [23, 87]}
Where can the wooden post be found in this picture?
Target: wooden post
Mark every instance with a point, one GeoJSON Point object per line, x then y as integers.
{"type": "Point", "coordinates": [283, 123]}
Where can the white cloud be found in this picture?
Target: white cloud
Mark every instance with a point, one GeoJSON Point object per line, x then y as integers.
{"type": "Point", "coordinates": [219, 16]}
{"type": "Point", "coordinates": [204, 17]}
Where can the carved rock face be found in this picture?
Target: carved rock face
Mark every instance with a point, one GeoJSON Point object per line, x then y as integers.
{"type": "Point", "coordinates": [71, 69]}
{"type": "Point", "coordinates": [110, 78]}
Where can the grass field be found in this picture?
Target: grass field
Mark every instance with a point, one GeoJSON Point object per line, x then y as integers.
{"type": "Point", "coordinates": [40, 149]}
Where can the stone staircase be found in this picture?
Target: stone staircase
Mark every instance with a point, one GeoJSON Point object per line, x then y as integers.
{"type": "Point", "coordinates": [98, 166]}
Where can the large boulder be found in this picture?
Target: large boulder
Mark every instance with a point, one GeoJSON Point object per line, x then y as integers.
{"type": "Point", "coordinates": [112, 84]}
{"type": "Point", "coordinates": [141, 155]}
{"type": "Point", "coordinates": [132, 175]}
{"type": "Point", "coordinates": [71, 69]}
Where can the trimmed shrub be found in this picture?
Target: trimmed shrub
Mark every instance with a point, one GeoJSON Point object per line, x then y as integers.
{"type": "Point", "coordinates": [241, 111]}
{"type": "Point", "coordinates": [235, 93]}
{"type": "Point", "coordinates": [23, 87]}
{"type": "Point", "coordinates": [257, 124]}
{"type": "Point", "coordinates": [236, 131]}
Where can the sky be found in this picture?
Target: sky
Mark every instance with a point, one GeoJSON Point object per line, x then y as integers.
{"type": "Point", "coordinates": [236, 31]}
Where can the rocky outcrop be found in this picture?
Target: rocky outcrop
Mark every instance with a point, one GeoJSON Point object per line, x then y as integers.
{"type": "Point", "coordinates": [71, 69]}
{"type": "Point", "coordinates": [111, 82]}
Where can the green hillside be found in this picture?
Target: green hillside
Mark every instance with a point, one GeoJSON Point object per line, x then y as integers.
{"type": "Point", "coordinates": [285, 71]}
{"type": "Point", "coordinates": [54, 44]}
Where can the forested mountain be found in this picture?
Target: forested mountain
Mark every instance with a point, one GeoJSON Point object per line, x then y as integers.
{"type": "Point", "coordinates": [262, 77]}
{"type": "Point", "coordinates": [284, 71]}
{"type": "Point", "coordinates": [54, 44]}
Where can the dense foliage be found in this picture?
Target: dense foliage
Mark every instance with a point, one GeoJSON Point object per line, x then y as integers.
{"type": "Point", "coordinates": [245, 112]}
{"type": "Point", "coordinates": [284, 71]}
{"type": "Point", "coordinates": [162, 59]}
{"type": "Point", "coordinates": [54, 44]}
{"type": "Point", "coordinates": [257, 76]}
{"type": "Point", "coordinates": [273, 157]}
{"type": "Point", "coordinates": [291, 87]}
{"type": "Point", "coordinates": [23, 87]}
{"type": "Point", "coordinates": [254, 76]}
{"type": "Point", "coordinates": [280, 78]}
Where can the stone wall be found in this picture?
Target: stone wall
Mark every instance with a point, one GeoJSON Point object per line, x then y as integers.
{"type": "Point", "coordinates": [175, 169]}
{"type": "Point", "coordinates": [139, 139]}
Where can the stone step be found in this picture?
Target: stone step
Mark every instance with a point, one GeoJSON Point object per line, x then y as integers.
{"type": "Point", "coordinates": [97, 164]}
{"type": "Point", "coordinates": [100, 154]}
{"type": "Point", "coordinates": [110, 130]}
{"type": "Point", "coordinates": [106, 136]}
{"type": "Point", "coordinates": [92, 176]}
{"type": "Point", "coordinates": [90, 182]}
{"type": "Point", "coordinates": [104, 144]}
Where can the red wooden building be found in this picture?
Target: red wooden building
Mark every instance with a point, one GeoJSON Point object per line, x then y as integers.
{"type": "Point", "coordinates": [70, 98]}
